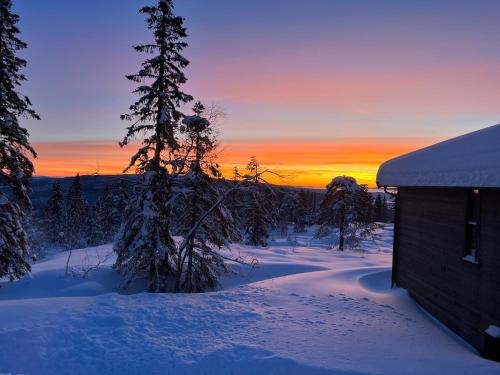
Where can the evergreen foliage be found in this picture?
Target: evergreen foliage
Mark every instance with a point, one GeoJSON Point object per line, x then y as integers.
{"type": "Point", "coordinates": [379, 209]}
{"type": "Point", "coordinates": [54, 215]}
{"type": "Point", "coordinates": [305, 211]}
{"type": "Point", "coordinates": [13, 241]}
{"type": "Point", "coordinates": [76, 216]}
{"type": "Point", "coordinates": [199, 262]}
{"type": "Point", "coordinates": [144, 244]}
{"type": "Point", "coordinates": [345, 212]}
{"type": "Point", "coordinates": [287, 210]}
{"type": "Point", "coordinates": [258, 211]}
{"type": "Point", "coordinates": [16, 167]}
{"type": "Point", "coordinates": [107, 213]}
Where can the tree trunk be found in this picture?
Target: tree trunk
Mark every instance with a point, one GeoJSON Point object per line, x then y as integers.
{"type": "Point", "coordinates": [189, 272]}
{"type": "Point", "coordinates": [341, 231]}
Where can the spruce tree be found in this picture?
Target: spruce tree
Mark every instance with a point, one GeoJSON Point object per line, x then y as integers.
{"type": "Point", "coordinates": [300, 213]}
{"type": "Point", "coordinates": [99, 228]}
{"type": "Point", "coordinates": [258, 211]}
{"type": "Point", "coordinates": [76, 216]}
{"type": "Point", "coordinates": [107, 212]}
{"type": "Point", "coordinates": [199, 262]}
{"type": "Point", "coordinates": [54, 215]}
{"type": "Point", "coordinates": [116, 202]}
{"type": "Point", "coordinates": [288, 206]}
{"type": "Point", "coordinates": [345, 212]}
{"type": "Point", "coordinates": [15, 166]}
{"type": "Point", "coordinates": [386, 211]}
{"type": "Point", "coordinates": [144, 245]}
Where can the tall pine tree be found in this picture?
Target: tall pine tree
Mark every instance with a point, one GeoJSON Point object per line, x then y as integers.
{"type": "Point", "coordinates": [15, 166]}
{"type": "Point", "coordinates": [144, 245]}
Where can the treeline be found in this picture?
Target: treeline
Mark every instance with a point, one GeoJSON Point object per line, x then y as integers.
{"type": "Point", "coordinates": [69, 221]}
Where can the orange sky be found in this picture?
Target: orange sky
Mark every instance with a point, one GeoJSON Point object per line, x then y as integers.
{"type": "Point", "coordinates": [312, 89]}
{"type": "Point", "coordinates": [306, 163]}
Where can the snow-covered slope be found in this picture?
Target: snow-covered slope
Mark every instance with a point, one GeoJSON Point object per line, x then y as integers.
{"type": "Point", "coordinates": [472, 160]}
{"type": "Point", "coordinates": [303, 310]}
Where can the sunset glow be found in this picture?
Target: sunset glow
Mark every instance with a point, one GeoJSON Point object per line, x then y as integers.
{"type": "Point", "coordinates": [310, 163]}
{"type": "Point", "coordinates": [312, 89]}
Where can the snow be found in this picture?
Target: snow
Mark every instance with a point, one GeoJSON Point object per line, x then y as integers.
{"type": "Point", "coordinates": [471, 160]}
{"type": "Point", "coordinates": [3, 199]}
{"type": "Point", "coordinates": [347, 183]}
{"type": "Point", "coordinates": [493, 331]}
{"type": "Point", "coordinates": [303, 309]}
{"type": "Point", "coordinates": [470, 258]}
{"type": "Point", "coordinates": [195, 121]}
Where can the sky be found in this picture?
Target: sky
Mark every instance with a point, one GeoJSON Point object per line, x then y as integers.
{"type": "Point", "coordinates": [313, 89]}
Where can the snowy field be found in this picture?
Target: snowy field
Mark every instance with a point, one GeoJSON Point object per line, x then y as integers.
{"type": "Point", "coordinates": [304, 309]}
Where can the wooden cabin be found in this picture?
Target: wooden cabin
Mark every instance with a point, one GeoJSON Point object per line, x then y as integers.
{"type": "Point", "coordinates": [447, 233]}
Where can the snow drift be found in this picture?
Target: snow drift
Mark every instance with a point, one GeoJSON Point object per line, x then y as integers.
{"type": "Point", "coordinates": [303, 310]}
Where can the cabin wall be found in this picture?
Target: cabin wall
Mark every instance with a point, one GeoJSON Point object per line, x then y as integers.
{"type": "Point", "coordinates": [431, 245]}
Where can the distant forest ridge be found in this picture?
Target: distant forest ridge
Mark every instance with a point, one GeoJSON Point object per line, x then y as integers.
{"type": "Point", "coordinates": [93, 186]}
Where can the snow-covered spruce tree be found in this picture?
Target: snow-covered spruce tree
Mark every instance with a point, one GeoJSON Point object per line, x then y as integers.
{"type": "Point", "coordinates": [388, 203]}
{"type": "Point", "coordinates": [99, 228]}
{"type": "Point", "coordinates": [379, 209]}
{"type": "Point", "coordinates": [199, 262]}
{"type": "Point", "coordinates": [345, 212]}
{"type": "Point", "coordinates": [15, 166]}
{"type": "Point", "coordinates": [76, 216]}
{"type": "Point", "coordinates": [53, 216]}
{"type": "Point", "coordinates": [107, 213]}
{"type": "Point", "coordinates": [116, 202]}
{"type": "Point", "coordinates": [306, 210]}
{"type": "Point", "coordinates": [258, 207]}
{"type": "Point", "coordinates": [288, 205]}
{"type": "Point", "coordinates": [144, 245]}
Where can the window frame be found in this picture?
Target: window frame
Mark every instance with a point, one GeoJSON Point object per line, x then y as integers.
{"type": "Point", "coordinates": [473, 226]}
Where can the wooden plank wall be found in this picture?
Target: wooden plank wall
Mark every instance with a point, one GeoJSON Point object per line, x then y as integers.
{"type": "Point", "coordinates": [430, 265]}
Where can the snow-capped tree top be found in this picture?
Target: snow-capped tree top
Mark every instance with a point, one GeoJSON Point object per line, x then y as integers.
{"type": "Point", "coordinates": [471, 160]}
{"type": "Point", "coordinates": [344, 183]}
{"type": "Point", "coordinates": [195, 121]}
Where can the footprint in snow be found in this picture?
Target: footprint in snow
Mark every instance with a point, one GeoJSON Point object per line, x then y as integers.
{"type": "Point", "coordinates": [387, 306]}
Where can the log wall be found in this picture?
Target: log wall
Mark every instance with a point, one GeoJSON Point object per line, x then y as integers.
{"type": "Point", "coordinates": [431, 245]}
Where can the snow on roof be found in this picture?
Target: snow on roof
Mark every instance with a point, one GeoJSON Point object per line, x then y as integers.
{"type": "Point", "coordinates": [471, 160]}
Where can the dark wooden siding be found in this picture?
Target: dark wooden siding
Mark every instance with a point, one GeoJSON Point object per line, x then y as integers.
{"type": "Point", "coordinates": [430, 265]}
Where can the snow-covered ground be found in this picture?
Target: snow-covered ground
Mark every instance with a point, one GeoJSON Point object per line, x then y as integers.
{"type": "Point", "coordinates": [303, 309]}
